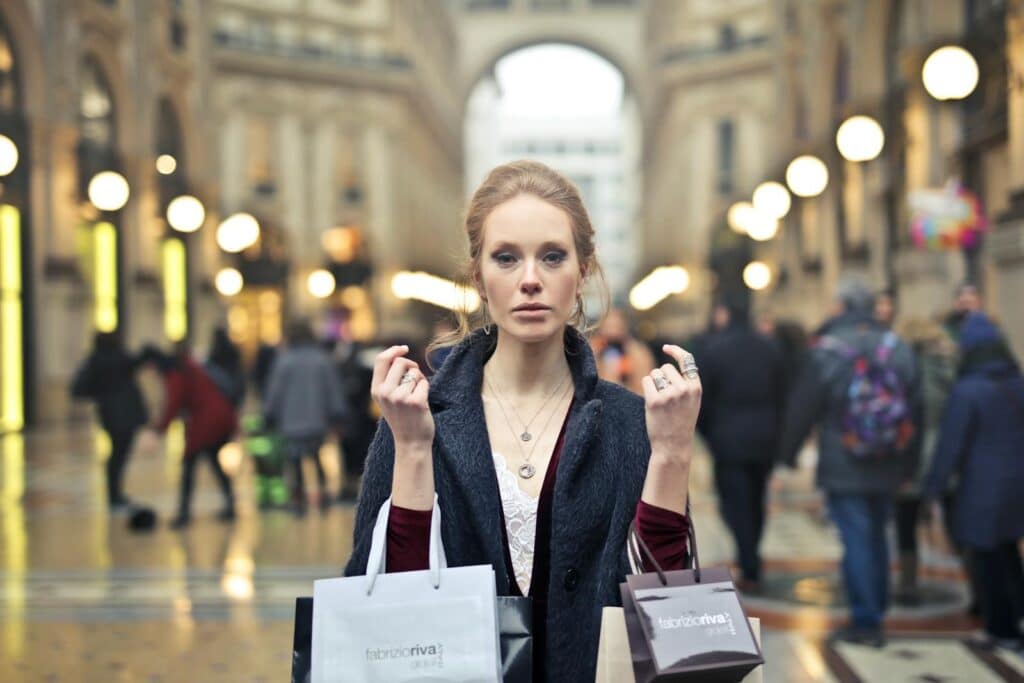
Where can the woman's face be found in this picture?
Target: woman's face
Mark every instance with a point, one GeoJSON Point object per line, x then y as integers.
{"type": "Point", "coordinates": [529, 269]}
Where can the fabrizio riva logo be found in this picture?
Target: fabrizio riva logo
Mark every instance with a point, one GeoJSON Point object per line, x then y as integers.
{"type": "Point", "coordinates": [419, 656]}
{"type": "Point", "coordinates": [715, 623]}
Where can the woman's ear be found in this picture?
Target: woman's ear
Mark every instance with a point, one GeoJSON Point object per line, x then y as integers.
{"type": "Point", "coordinates": [479, 286]}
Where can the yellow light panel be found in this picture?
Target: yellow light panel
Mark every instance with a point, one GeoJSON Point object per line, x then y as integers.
{"type": "Point", "coordinates": [12, 410]}
{"type": "Point", "coordinates": [175, 290]}
{"type": "Point", "coordinates": [105, 253]}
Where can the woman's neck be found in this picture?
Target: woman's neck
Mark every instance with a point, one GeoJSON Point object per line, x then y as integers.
{"type": "Point", "coordinates": [525, 369]}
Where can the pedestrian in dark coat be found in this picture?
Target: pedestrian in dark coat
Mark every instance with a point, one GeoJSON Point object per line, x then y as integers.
{"type": "Point", "coordinates": [980, 443]}
{"type": "Point", "coordinates": [859, 489]}
{"type": "Point", "coordinates": [741, 420]}
{"type": "Point", "coordinates": [355, 373]}
{"type": "Point", "coordinates": [107, 376]}
{"type": "Point", "coordinates": [210, 421]}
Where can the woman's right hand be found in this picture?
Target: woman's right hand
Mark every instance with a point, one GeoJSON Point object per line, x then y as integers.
{"type": "Point", "coordinates": [403, 405]}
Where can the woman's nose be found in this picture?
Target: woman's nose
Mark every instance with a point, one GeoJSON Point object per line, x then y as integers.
{"type": "Point", "coordinates": [530, 283]}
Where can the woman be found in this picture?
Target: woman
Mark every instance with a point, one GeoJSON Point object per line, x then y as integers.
{"type": "Point", "coordinates": [107, 377]}
{"type": "Point", "coordinates": [979, 442]}
{"type": "Point", "coordinates": [210, 421]}
{"type": "Point", "coordinates": [539, 467]}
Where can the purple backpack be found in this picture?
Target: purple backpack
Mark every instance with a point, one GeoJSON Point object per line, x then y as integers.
{"type": "Point", "coordinates": [876, 420]}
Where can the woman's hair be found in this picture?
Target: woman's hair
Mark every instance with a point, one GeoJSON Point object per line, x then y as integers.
{"type": "Point", "coordinates": [508, 182]}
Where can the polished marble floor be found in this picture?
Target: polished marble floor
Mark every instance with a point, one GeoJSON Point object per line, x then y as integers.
{"type": "Point", "coordinates": [84, 599]}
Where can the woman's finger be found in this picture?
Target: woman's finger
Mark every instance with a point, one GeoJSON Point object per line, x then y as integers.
{"type": "Point", "coordinates": [678, 353]}
{"type": "Point", "coordinates": [410, 385]}
{"type": "Point", "coordinates": [398, 369]}
{"type": "Point", "coordinates": [650, 391]}
{"type": "Point", "coordinates": [421, 391]}
{"type": "Point", "coordinates": [672, 375]}
{"type": "Point", "coordinates": [383, 362]}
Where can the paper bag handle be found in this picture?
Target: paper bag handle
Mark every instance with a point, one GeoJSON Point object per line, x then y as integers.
{"type": "Point", "coordinates": [377, 562]}
{"type": "Point", "coordinates": [638, 550]}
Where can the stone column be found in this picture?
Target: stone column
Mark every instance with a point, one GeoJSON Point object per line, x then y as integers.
{"type": "Point", "coordinates": [1005, 245]}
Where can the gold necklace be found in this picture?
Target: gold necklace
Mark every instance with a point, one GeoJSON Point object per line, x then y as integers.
{"type": "Point", "coordinates": [526, 470]}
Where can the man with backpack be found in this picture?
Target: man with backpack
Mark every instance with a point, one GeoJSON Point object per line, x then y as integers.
{"type": "Point", "coordinates": [861, 388]}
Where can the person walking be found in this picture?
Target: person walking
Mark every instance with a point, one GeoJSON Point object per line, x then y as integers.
{"type": "Point", "coordinates": [359, 424]}
{"type": "Point", "coordinates": [302, 402]}
{"type": "Point", "coordinates": [741, 419]}
{"type": "Point", "coordinates": [107, 377]}
{"type": "Point", "coordinates": [210, 421]}
{"type": "Point", "coordinates": [980, 444]}
{"type": "Point", "coordinates": [936, 360]}
{"type": "Point", "coordinates": [861, 386]}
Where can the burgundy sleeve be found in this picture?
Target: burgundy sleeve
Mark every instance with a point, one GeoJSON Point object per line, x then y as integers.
{"type": "Point", "coordinates": [408, 539]}
{"type": "Point", "coordinates": [665, 533]}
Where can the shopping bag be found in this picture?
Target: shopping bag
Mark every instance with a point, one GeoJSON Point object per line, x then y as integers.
{"type": "Point", "coordinates": [685, 625]}
{"type": "Point", "coordinates": [515, 626]}
{"type": "Point", "coordinates": [515, 632]}
{"type": "Point", "coordinates": [614, 661]}
{"type": "Point", "coordinates": [432, 625]}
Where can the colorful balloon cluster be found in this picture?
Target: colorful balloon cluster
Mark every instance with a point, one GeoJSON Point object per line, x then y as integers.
{"type": "Point", "coordinates": [949, 218]}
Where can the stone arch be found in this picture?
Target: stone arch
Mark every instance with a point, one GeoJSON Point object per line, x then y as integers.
{"type": "Point", "coordinates": [28, 46]}
{"type": "Point", "coordinates": [483, 66]}
{"type": "Point", "coordinates": [126, 123]}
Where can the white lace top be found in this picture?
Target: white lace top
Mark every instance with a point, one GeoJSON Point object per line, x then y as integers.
{"type": "Point", "coordinates": [520, 522]}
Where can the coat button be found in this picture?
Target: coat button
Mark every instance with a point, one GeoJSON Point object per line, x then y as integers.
{"type": "Point", "coordinates": [572, 579]}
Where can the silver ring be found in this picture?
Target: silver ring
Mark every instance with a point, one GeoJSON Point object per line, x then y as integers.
{"type": "Point", "coordinates": [690, 370]}
{"type": "Point", "coordinates": [408, 377]}
{"type": "Point", "coordinates": [660, 382]}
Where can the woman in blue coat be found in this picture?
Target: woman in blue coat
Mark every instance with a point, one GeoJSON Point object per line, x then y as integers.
{"type": "Point", "coordinates": [980, 442]}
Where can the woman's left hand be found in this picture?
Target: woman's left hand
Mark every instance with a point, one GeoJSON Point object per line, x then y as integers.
{"type": "Point", "coordinates": [672, 409]}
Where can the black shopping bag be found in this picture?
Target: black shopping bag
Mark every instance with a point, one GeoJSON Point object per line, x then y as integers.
{"type": "Point", "coordinates": [515, 626]}
{"type": "Point", "coordinates": [686, 625]}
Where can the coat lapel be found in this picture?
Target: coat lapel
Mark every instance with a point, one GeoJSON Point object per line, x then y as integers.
{"type": "Point", "coordinates": [463, 445]}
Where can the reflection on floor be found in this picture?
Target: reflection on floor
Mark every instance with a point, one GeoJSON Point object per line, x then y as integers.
{"type": "Point", "coordinates": [83, 599]}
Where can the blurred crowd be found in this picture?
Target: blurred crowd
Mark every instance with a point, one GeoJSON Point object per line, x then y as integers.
{"type": "Point", "coordinates": [919, 421]}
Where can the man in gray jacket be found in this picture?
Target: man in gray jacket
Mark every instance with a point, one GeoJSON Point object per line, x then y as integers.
{"type": "Point", "coordinates": [303, 401]}
{"type": "Point", "coordinates": [861, 388]}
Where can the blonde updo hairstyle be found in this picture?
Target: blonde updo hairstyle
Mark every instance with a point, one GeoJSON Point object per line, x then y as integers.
{"type": "Point", "coordinates": [508, 182]}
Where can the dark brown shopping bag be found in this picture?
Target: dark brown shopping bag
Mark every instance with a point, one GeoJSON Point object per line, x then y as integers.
{"type": "Point", "coordinates": [686, 625]}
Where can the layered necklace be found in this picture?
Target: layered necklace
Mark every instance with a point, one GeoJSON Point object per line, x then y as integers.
{"type": "Point", "coordinates": [527, 470]}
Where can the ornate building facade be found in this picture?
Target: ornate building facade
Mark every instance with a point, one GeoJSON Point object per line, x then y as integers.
{"type": "Point", "coordinates": [339, 125]}
{"type": "Point", "coordinates": [92, 87]}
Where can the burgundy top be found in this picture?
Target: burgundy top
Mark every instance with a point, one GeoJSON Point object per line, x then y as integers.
{"type": "Point", "coordinates": [664, 532]}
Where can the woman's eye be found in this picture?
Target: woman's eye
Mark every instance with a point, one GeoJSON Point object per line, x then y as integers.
{"type": "Point", "coordinates": [554, 257]}
{"type": "Point", "coordinates": [504, 258]}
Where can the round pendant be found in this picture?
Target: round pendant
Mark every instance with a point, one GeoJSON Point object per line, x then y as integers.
{"type": "Point", "coordinates": [526, 436]}
{"type": "Point", "coordinates": [526, 470]}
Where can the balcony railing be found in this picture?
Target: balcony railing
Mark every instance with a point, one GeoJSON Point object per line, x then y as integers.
{"type": "Point", "coordinates": [269, 47]}
{"type": "Point", "coordinates": [693, 54]}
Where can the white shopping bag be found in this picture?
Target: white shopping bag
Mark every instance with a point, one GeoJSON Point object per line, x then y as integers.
{"type": "Point", "coordinates": [434, 625]}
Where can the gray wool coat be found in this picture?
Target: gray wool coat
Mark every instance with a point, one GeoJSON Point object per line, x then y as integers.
{"type": "Point", "coordinates": [598, 484]}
